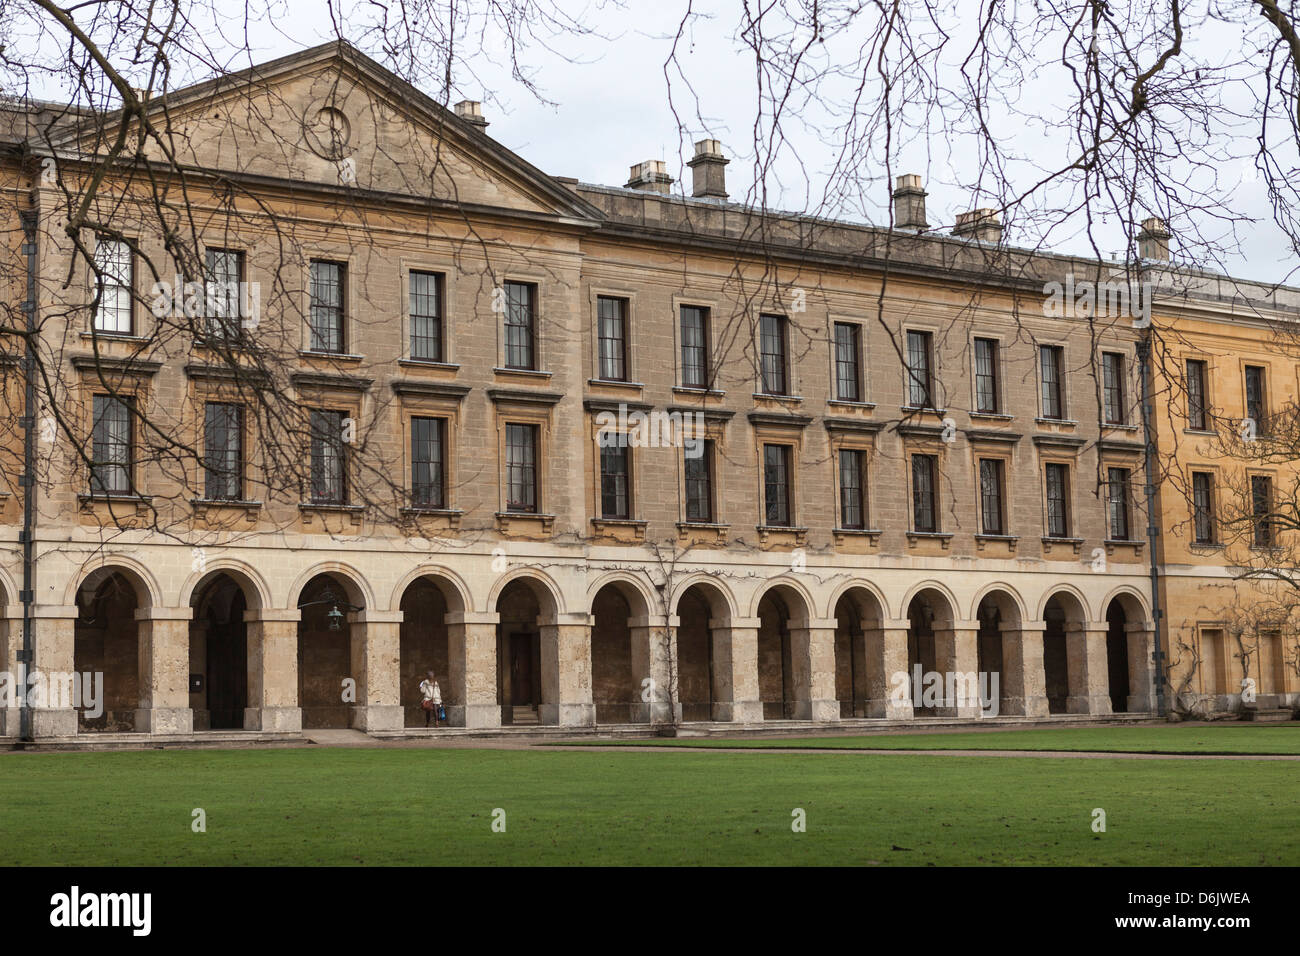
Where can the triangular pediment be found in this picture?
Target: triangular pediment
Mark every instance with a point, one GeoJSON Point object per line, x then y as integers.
{"type": "Point", "coordinates": [333, 117]}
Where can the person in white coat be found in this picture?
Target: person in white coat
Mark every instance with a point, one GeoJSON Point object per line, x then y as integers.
{"type": "Point", "coordinates": [431, 695]}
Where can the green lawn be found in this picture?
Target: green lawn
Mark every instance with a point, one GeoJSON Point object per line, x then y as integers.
{"type": "Point", "coordinates": [1257, 740]}
{"type": "Point", "coordinates": [435, 807]}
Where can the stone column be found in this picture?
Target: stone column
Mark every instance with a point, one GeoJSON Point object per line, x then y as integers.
{"type": "Point", "coordinates": [163, 637]}
{"type": "Point", "coordinates": [376, 667]}
{"type": "Point", "coordinates": [735, 670]}
{"type": "Point", "coordinates": [566, 672]}
{"type": "Point", "coordinates": [812, 666]}
{"type": "Point", "coordinates": [273, 671]}
{"type": "Point", "coordinates": [889, 685]}
{"type": "Point", "coordinates": [1023, 675]}
{"type": "Point", "coordinates": [956, 658]}
{"type": "Point", "coordinates": [54, 642]}
{"type": "Point", "coordinates": [654, 656]}
{"type": "Point", "coordinates": [472, 663]}
{"type": "Point", "coordinates": [1141, 669]}
{"type": "Point", "coordinates": [1085, 652]}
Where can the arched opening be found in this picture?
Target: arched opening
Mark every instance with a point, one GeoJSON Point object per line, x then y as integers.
{"type": "Point", "coordinates": [999, 653]}
{"type": "Point", "coordinates": [858, 619]}
{"type": "Point", "coordinates": [424, 645]}
{"type": "Point", "coordinates": [774, 663]}
{"type": "Point", "coordinates": [697, 680]}
{"type": "Point", "coordinates": [219, 654]}
{"type": "Point", "coordinates": [1056, 657]}
{"type": "Point", "coordinates": [618, 664]}
{"type": "Point", "coordinates": [522, 613]}
{"type": "Point", "coordinates": [325, 652]}
{"type": "Point", "coordinates": [1117, 657]}
{"type": "Point", "coordinates": [105, 641]}
{"type": "Point", "coordinates": [927, 613]}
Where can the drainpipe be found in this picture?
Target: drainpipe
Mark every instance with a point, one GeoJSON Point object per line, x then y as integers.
{"type": "Point", "coordinates": [27, 656]}
{"type": "Point", "coordinates": [1145, 374]}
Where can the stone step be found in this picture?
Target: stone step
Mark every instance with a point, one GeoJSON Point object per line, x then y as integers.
{"type": "Point", "coordinates": [1263, 716]}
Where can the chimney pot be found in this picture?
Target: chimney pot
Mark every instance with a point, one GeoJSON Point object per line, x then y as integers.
{"type": "Point", "coordinates": [650, 177]}
{"type": "Point", "coordinates": [1153, 240]}
{"type": "Point", "coordinates": [471, 111]}
{"type": "Point", "coordinates": [709, 170]}
{"type": "Point", "coordinates": [981, 224]}
{"type": "Point", "coordinates": [909, 203]}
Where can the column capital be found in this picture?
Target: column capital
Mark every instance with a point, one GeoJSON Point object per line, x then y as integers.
{"type": "Point", "coordinates": [55, 611]}
{"type": "Point", "coordinates": [737, 622]}
{"type": "Point", "coordinates": [818, 624]}
{"type": "Point", "coordinates": [472, 617]}
{"type": "Point", "coordinates": [11, 612]}
{"type": "Point", "coordinates": [371, 616]}
{"type": "Point", "coordinates": [962, 626]}
{"type": "Point", "coordinates": [654, 620]}
{"type": "Point", "coordinates": [896, 624]}
{"type": "Point", "coordinates": [572, 619]}
{"type": "Point", "coordinates": [164, 613]}
{"type": "Point", "coordinates": [254, 615]}
{"type": "Point", "coordinates": [1032, 626]}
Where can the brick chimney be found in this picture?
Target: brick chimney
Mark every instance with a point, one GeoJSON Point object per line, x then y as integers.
{"type": "Point", "coordinates": [1153, 240]}
{"type": "Point", "coordinates": [981, 224]}
{"type": "Point", "coordinates": [650, 177]}
{"type": "Point", "coordinates": [909, 203]}
{"type": "Point", "coordinates": [709, 170]}
{"type": "Point", "coordinates": [471, 111]}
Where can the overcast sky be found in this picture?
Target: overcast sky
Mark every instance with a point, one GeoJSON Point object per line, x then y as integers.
{"type": "Point", "coordinates": [611, 107]}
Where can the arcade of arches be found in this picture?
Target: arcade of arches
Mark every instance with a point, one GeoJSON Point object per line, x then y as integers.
{"type": "Point", "coordinates": [227, 663]}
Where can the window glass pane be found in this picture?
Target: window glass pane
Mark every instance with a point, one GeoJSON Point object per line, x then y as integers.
{"type": "Point", "coordinates": [772, 347]}
{"type": "Point", "coordinates": [328, 457]}
{"type": "Point", "coordinates": [1058, 524]}
{"type": "Point", "coordinates": [847, 376]}
{"type": "Point", "coordinates": [924, 518]}
{"type": "Point", "coordinates": [986, 376]}
{"type": "Point", "coordinates": [519, 325]}
{"type": "Point", "coordinates": [1050, 357]}
{"type": "Point", "coordinates": [521, 468]}
{"type": "Point", "coordinates": [1197, 416]}
{"type": "Point", "coordinates": [695, 355]}
{"type": "Point", "coordinates": [612, 329]}
{"type": "Point", "coordinates": [223, 451]}
{"type": "Point", "coordinates": [614, 480]}
{"type": "Point", "coordinates": [991, 496]}
{"type": "Point", "coordinates": [427, 463]}
{"type": "Point", "coordinates": [852, 497]}
{"type": "Point", "coordinates": [1117, 498]}
{"type": "Point", "coordinates": [1113, 387]}
{"type": "Point", "coordinates": [699, 492]}
{"type": "Point", "coordinates": [919, 372]}
{"type": "Point", "coordinates": [326, 306]}
{"type": "Point", "coordinates": [426, 316]}
{"type": "Point", "coordinates": [114, 264]}
{"type": "Point", "coordinates": [110, 469]}
{"type": "Point", "coordinates": [1202, 503]}
{"type": "Point", "coordinates": [776, 484]}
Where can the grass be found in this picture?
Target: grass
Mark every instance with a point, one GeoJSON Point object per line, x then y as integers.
{"type": "Point", "coordinates": [1244, 739]}
{"type": "Point", "coordinates": [435, 807]}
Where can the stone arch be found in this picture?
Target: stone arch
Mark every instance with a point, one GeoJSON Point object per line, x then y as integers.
{"type": "Point", "coordinates": [1000, 614]}
{"type": "Point", "coordinates": [106, 641]}
{"type": "Point", "coordinates": [528, 606]}
{"type": "Point", "coordinates": [858, 584]}
{"type": "Point", "coordinates": [428, 641]}
{"type": "Point", "coordinates": [722, 603]}
{"type": "Point", "coordinates": [1064, 611]}
{"type": "Point", "coordinates": [544, 588]}
{"type": "Point", "coordinates": [635, 588]}
{"type": "Point", "coordinates": [256, 591]}
{"type": "Point", "coordinates": [859, 611]}
{"type": "Point", "coordinates": [8, 590]}
{"type": "Point", "coordinates": [620, 648]}
{"type": "Point", "coordinates": [218, 645]}
{"type": "Point", "coordinates": [453, 587]}
{"type": "Point", "coordinates": [1131, 599]}
{"type": "Point", "coordinates": [325, 643]}
{"type": "Point", "coordinates": [930, 611]}
{"type": "Point", "coordinates": [782, 607]}
{"type": "Point", "coordinates": [354, 584]}
{"type": "Point", "coordinates": [704, 609]}
{"type": "Point", "coordinates": [147, 592]}
{"type": "Point", "coordinates": [1005, 597]}
{"type": "Point", "coordinates": [948, 605]}
{"type": "Point", "coordinates": [794, 593]}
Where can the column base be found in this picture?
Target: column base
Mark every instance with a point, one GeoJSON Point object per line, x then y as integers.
{"type": "Point", "coordinates": [477, 716]}
{"type": "Point", "coordinates": [739, 712]}
{"type": "Point", "coordinates": [822, 711]}
{"type": "Point", "coordinates": [1087, 705]}
{"type": "Point", "coordinates": [60, 722]}
{"type": "Point", "coordinates": [273, 720]}
{"type": "Point", "coordinates": [1141, 704]}
{"type": "Point", "coordinates": [961, 711]}
{"type": "Point", "coordinates": [377, 717]}
{"type": "Point", "coordinates": [567, 715]}
{"type": "Point", "coordinates": [11, 721]}
{"type": "Point", "coordinates": [890, 709]}
{"type": "Point", "coordinates": [1025, 707]}
{"type": "Point", "coordinates": [164, 720]}
{"type": "Point", "coordinates": [657, 713]}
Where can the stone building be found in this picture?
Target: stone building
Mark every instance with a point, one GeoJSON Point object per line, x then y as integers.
{"type": "Point", "coordinates": [839, 453]}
